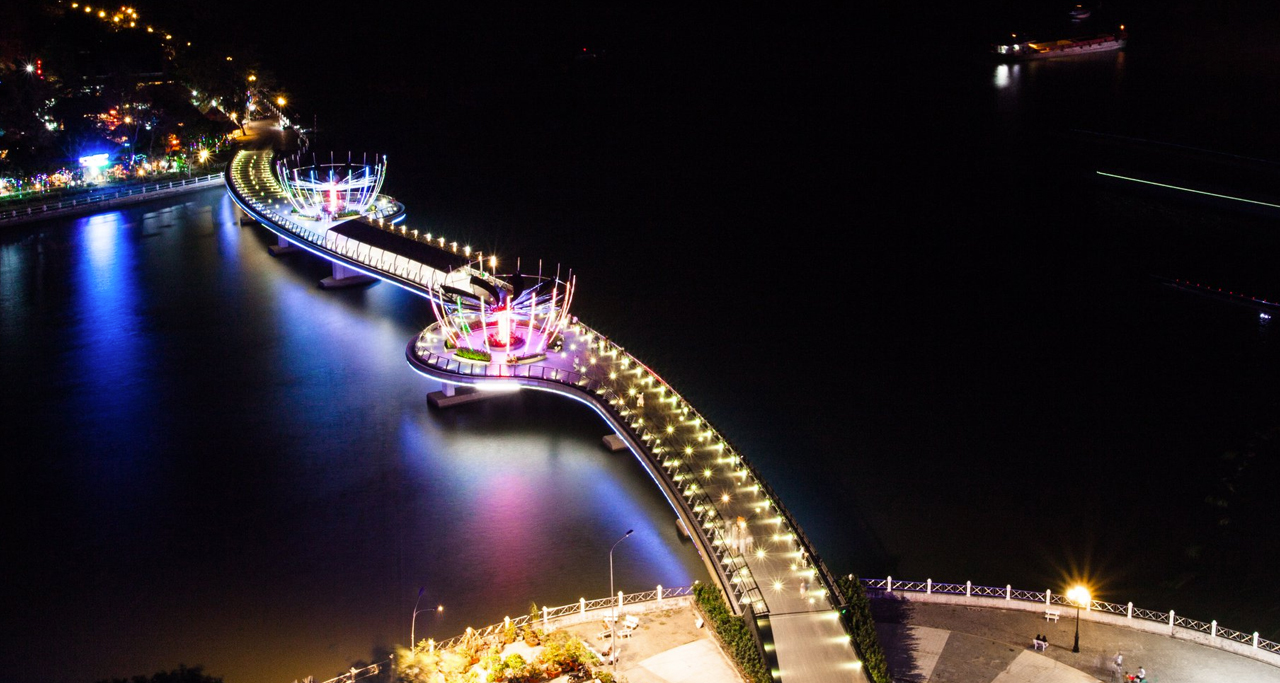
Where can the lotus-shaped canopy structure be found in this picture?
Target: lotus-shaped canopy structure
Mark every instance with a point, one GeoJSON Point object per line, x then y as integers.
{"type": "Point", "coordinates": [505, 312]}
{"type": "Point", "coordinates": [329, 191]}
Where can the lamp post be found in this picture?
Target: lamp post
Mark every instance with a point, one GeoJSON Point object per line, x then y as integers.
{"type": "Point", "coordinates": [613, 607]}
{"type": "Point", "coordinates": [413, 644]}
{"type": "Point", "coordinates": [1078, 595]}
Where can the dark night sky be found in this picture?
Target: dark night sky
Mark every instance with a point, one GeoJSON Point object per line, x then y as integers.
{"type": "Point", "coordinates": [725, 182]}
{"type": "Point", "coordinates": [910, 288]}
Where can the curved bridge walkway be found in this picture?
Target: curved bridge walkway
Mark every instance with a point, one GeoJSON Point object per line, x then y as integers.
{"type": "Point", "coordinates": [753, 548]}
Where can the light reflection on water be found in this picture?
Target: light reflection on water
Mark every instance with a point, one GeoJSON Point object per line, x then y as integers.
{"type": "Point", "coordinates": [232, 467]}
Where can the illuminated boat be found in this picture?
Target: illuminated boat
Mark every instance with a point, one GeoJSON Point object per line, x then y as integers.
{"type": "Point", "coordinates": [1020, 49]}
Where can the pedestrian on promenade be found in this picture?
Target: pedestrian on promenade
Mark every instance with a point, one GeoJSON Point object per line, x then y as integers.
{"type": "Point", "coordinates": [804, 588]}
{"type": "Point", "coordinates": [1141, 675]}
{"type": "Point", "coordinates": [1119, 660]}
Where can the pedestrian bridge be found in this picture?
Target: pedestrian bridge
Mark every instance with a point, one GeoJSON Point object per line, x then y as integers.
{"type": "Point", "coordinates": [753, 548]}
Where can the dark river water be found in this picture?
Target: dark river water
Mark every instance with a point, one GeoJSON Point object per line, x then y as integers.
{"type": "Point", "coordinates": [883, 266]}
{"type": "Point", "coordinates": [214, 462]}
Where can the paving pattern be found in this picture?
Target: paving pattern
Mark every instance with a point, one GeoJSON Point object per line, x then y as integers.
{"type": "Point", "coordinates": [939, 643]}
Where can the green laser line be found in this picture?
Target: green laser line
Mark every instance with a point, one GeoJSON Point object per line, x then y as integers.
{"type": "Point", "coordinates": [1187, 189]}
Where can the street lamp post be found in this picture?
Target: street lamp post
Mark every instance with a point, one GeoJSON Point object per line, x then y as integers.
{"type": "Point", "coordinates": [413, 644]}
{"type": "Point", "coordinates": [613, 606]}
{"type": "Point", "coordinates": [1078, 595]}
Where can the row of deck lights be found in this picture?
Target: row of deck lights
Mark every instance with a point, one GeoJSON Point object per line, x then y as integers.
{"type": "Point", "coordinates": [600, 353]}
{"type": "Point", "coordinates": [598, 349]}
{"type": "Point", "coordinates": [261, 175]}
{"type": "Point", "coordinates": [682, 472]}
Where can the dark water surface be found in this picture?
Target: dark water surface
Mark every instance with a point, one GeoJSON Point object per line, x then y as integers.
{"type": "Point", "coordinates": [218, 463]}
{"type": "Point", "coordinates": [881, 265]}
{"type": "Point", "coordinates": [885, 267]}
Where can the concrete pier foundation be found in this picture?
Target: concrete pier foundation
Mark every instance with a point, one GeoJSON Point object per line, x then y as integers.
{"type": "Point", "coordinates": [346, 277]}
{"type": "Point", "coordinates": [453, 395]}
{"type": "Point", "coordinates": [282, 247]}
{"type": "Point", "coordinates": [614, 443]}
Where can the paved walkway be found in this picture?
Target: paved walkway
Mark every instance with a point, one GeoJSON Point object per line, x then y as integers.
{"type": "Point", "coordinates": [666, 648]}
{"type": "Point", "coordinates": [951, 643]}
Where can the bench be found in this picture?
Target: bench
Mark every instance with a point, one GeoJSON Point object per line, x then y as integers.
{"type": "Point", "coordinates": [1052, 614]}
{"type": "Point", "coordinates": [1039, 645]}
{"type": "Point", "coordinates": [629, 626]}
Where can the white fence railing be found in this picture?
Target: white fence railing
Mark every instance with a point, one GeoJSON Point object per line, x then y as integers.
{"type": "Point", "coordinates": [581, 607]}
{"type": "Point", "coordinates": [38, 209]}
{"type": "Point", "coordinates": [653, 599]}
{"type": "Point", "coordinates": [1126, 614]}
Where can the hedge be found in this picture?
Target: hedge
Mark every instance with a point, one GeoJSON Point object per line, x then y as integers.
{"type": "Point", "coordinates": [858, 621]}
{"type": "Point", "coordinates": [473, 354]}
{"type": "Point", "coordinates": [733, 633]}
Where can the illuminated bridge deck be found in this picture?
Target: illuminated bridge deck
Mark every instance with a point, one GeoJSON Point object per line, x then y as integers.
{"type": "Point", "coordinates": [372, 247]}
{"type": "Point", "coordinates": [764, 563]}
{"type": "Point", "coordinates": [709, 483]}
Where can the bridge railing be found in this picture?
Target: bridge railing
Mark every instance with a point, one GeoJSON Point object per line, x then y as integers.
{"type": "Point", "coordinates": [739, 582]}
{"type": "Point", "coordinates": [38, 208]}
{"type": "Point", "coordinates": [1124, 613]}
{"type": "Point", "coordinates": [376, 219]}
{"type": "Point", "coordinates": [657, 596]}
{"type": "Point", "coordinates": [809, 556]}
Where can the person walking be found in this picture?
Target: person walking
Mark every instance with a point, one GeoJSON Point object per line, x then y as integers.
{"type": "Point", "coordinates": [1119, 661]}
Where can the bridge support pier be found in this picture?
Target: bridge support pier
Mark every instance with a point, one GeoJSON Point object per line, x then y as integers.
{"type": "Point", "coordinates": [346, 277]}
{"type": "Point", "coordinates": [282, 247]}
{"type": "Point", "coordinates": [454, 395]}
{"type": "Point", "coordinates": [614, 443]}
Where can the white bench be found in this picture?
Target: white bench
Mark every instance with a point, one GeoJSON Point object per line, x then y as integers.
{"type": "Point", "coordinates": [629, 626]}
{"type": "Point", "coordinates": [1052, 614]}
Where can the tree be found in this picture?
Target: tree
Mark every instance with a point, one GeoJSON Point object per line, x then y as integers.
{"type": "Point", "coordinates": [182, 674]}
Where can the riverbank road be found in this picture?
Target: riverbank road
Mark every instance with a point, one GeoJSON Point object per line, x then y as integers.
{"type": "Point", "coordinates": [939, 643]}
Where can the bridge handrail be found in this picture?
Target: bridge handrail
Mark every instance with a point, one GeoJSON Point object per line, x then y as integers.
{"type": "Point", "coordinates": [1048, 597]}
{"type": "Point", "coordinates": [732, 567]}
{"type": "Point", "coordinates": [33, 208]}
{"type": "Point", "coordinates": [375, 219]}
{"type": "Point", "coordinates": [742, 584]}
{"type": "Point", "coordinates": [580, 607]}
{"type": "Point", "coordinates": [809, 554]}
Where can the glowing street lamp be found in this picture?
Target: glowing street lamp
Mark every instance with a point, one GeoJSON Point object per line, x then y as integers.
{"type": "Point", "coordinates": [1080, 596]}
{"type": "Point", "coordinates": [281, 101]}
{"type": "Point", "coordinates": [613, 606]}
{"type": "Point", "coordinates": [413, 644]}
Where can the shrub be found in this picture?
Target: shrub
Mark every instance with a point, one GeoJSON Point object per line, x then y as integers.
{"type": "Point", "coordinates": [733, 633]}
{"type": "Point", "coordinates": [857, 619]}
{"type": "Point", "coordinates": [417, 665]}
{"type": "Point", "coordinates": [567, 651]}
{"type": "Point", "coordinates": [474, 354]}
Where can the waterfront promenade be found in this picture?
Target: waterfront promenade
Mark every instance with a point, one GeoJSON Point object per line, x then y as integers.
{"type": "Point", "coordinates": [946, 643]}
